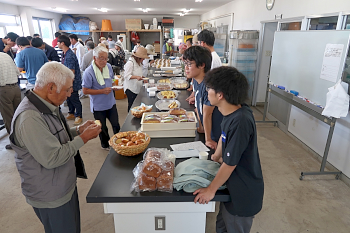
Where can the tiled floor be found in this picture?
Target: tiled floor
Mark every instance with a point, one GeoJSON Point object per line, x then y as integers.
{"type": "Point", "coordinates": [316, 204]}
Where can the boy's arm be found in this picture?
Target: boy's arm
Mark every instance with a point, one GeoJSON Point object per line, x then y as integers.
{"type": "Point", "coordinates": [207, 124]}
{"type": "Point", "coordinates": [204, 195]}
{"type": "Point", "coordinates": [217, 156]}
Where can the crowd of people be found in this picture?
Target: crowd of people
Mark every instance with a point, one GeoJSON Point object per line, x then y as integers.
{"type": "Point", "coordinates": [59, 72]}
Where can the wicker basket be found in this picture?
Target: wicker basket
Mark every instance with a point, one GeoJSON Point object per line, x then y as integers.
{"type": "Point", "coordinates": [129, 150]}
{"type": "Point", "coordinates": [139, 113]}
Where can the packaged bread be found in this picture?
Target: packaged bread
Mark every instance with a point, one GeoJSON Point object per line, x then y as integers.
{"type": "Point", "coordinates": [156, 171]}
{"type": "Point", "coordinates": [177, 111]}
{"type": "Point", "coordinates": [147, 183]}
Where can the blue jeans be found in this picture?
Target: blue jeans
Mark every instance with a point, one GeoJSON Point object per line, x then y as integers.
{"type": "Point", "coordinates": [74, 105]}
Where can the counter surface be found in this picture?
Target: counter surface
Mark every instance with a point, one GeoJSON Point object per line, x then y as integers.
{"type": "Point", "coordinates": [113, 182]}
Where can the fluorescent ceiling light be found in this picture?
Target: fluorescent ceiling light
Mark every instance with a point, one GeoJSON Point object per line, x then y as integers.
{"type": "Point", "coordinates": [102, 9]}
{"type": "Point", "coordinates": [145, 10]}
{"type": "Point", "coordinates": [59, 9]}
{"type": "Point", "coordinates": [187, 10]}
{"type": "Point", "coordinates": [198, 0]}
{"type": "Point", "coordinates": [136, 0]}
{"type": "Point", "coordinates": [182, 14]}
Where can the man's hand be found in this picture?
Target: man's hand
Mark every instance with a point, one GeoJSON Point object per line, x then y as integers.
{"type": "Point", "coordinates": [91, 132]}
{"type": "Point", "coordinates": [106, 90]}
{"type": "Point", "coordinates": [7, 48]}
{"type": "Point", "coordinates": [191, 100]}
{"type": "Point", "coordinates": [211, 144]}
{"type": "Point", "coordinates": [204, 195]}
{"type": "Point", "coordinates": [139, 78]}
{"type": "Point", "coordinates": [86, 124]}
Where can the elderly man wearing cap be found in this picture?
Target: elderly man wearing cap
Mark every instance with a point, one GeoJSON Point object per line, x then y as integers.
{"type": "Point", "coordinates": [168, 47]}
{"type": "Point", "coordinates": [133, 75]}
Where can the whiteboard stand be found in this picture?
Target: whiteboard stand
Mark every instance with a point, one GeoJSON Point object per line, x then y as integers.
{"type": "Point", "coordinates": [275, 123]}
{"type": "Point", "coordinates": [315, 112]}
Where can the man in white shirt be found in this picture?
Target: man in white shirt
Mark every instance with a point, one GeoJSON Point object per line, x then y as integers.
{"type": "Point", "coordinates": [206, 39]}
{"type": "Point", "coordinates": [77, 48]}
{"type": "Point", "coordinates": [10, 94]}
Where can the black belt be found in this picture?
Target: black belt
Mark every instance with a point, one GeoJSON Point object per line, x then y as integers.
{"type": "Point", "coordinates": [13, 84]}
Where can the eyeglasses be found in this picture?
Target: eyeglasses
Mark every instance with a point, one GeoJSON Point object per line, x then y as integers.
{"type": "Point", "coordinates": [102, 59]}
{"type": "Point", "coordinates": [188, 63]}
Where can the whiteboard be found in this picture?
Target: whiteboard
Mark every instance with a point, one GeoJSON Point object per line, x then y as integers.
{"type": "Point", "coordinates": [297, 59]}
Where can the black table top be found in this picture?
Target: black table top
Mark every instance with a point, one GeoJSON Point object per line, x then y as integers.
{"type": "Point", "coordinates": [113, 182]}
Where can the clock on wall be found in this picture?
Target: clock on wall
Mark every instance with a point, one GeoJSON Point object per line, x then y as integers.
{"type": "Point", "coordinates": [269, 4]}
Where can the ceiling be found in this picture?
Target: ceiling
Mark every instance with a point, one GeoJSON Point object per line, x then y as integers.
{"type": "Point", "coordinates": [155, 7]}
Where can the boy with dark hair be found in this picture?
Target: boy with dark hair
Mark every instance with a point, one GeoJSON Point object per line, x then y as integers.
{"type": "Point", "coordinates": [77, 48]}
{"type": "Point", "coordinates": [237, 151]}
{"type": "Point", "coordinates": [206, 39]}
{"type": "Point", "coordinates": [197, 61]}
{"type": "Point", "coordinates": [69, 59]}
{"type": "Point", "coordinates": [189, 42]}
{"type": "Point", "coordinates": [50, 52]}
{"type": "Point", "coordinates": [29, 59]}
{"type": "Point", "coordinates": [36, 35]}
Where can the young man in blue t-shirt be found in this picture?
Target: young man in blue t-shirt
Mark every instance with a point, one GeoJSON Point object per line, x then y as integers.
{"type": "Point", "coordinates": [197, 61]}
{"type": "Point", "coordinates": [237, 151]}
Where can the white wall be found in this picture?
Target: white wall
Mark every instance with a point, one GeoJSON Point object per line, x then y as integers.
{"type": "Point", "coordinates": [118, 21]}
{"type": "Point", "coordinates": [8, 9]}
{"type": "Point", "coordinates": [249, 13]}
{"type": "Point", "coordinates": [247, 16]}
{"type": "Point", "coordinates": [26, 14]}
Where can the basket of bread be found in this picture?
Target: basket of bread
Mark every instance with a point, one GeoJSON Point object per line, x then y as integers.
{"type": "Point", "coordinates": [139, 110]}
{"type": "Point", "coordinates": [129, 143]}
{"type": "Point", "coordinates": [154, 172]}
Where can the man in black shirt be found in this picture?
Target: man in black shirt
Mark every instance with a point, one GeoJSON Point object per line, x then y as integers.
{"type": "Point", "coordinates": [50, 52]}
{"type": "Point", "coordinates": [237, 151]}
{"type": "Point", "coordinates": [7, 43]}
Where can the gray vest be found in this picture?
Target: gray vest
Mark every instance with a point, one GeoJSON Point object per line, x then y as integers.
{"type": "Point", "coordinates": [39, 183]}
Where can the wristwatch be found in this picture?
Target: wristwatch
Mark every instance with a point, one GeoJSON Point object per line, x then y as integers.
{"type": "Point", "coordinates": [77, 129]}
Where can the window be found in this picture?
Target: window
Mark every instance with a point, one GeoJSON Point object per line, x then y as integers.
{"type": "Point", "coordinates": [290, 26]}
{"type": "Point", "coordinates": [8, 19]}
{"type": "Point", "coordinates": [16, 29]}
{"type": "Point", "coordinates": [43, 27]}
{"type": "Point", "coordinates": [324, 23]}
{"type": "Point", "coordinates": [347, 22]}
{"type": "Point", "coordinates": [2, 32]}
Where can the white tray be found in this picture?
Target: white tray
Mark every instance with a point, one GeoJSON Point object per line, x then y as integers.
{"type": "Point", "coordinates": [170, 133]}
{"type": "Point", "coordinates": [162, 105]}
{"type": "Point", "coordinates": [161, 97]}
{"type": "Point", "coordinates": [168, 126]}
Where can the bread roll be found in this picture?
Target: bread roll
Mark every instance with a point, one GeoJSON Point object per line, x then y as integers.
{"type": "Point", "coordinates": [165, 181]}
{"type": "Point", "coordinates": [177, 111]}
{"type": "Point", "coordinates": [147, 183]}
{"type": "Point", "coordinates": [151, 169]}
{"type": "Point", "coordinates": [97, 122]}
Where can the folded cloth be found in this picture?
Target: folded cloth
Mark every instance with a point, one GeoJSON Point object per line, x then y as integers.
{"type": "Point", "coordinates": [194, 173]}
{"type": "Point", "coordinates": [100, 76]}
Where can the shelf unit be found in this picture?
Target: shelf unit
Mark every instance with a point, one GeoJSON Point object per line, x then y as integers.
{"type": "Point", "coordinates": [243, 54]}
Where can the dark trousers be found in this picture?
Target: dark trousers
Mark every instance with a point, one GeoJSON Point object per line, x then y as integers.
{"type": "Point", "coordinates": [131, 97]}
{"type": "Point", "coordinates": [65, 218]}
{"type": "Point", "coordinates": [10, 97]}
{"type": "Point", "coordinates": [112, 116]}
{"type": "Point", "coordinates": [74, 105]}
{"type": "Point", "coordinates": [228, 223]}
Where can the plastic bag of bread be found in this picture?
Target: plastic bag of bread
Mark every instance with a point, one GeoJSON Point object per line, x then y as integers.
{"type": "Point", "coordinates": [155, 172]}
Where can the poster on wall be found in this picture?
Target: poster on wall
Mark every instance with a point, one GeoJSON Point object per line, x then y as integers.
{"type": "Point", "coordinates": [331, 62]}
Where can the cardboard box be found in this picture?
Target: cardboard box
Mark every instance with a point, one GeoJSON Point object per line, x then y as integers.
{"type": "Point", "coordinates": [156, 47]}
{"type": "Point", "coordinates": [133, 24]}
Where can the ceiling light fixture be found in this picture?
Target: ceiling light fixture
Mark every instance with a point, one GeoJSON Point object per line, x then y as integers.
{"type": "Point", "coordinates": [198, 0]}
{"type": "Point", "coordinates": [102, 9]}
{"type": "Point", "coordinates": [187, 10]}
{"type": "Point", "coordinates": [136, 0]}
{"type": "Point", "coordinates": [182, 14]}
{"type": "Point", "coordinates": [145, 10]}
{"type": "Point", "coordinates": [59, 9]}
